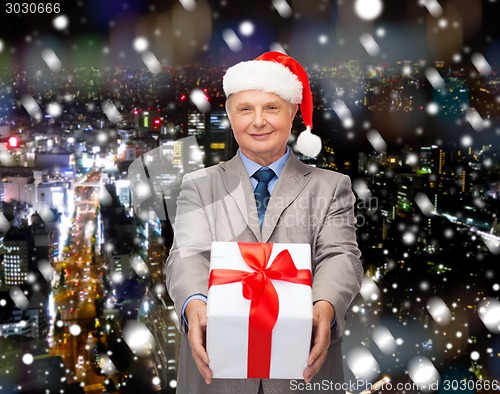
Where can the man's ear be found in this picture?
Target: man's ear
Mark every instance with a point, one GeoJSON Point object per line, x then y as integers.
{"type": "Point", "coordinates": [294, 110]}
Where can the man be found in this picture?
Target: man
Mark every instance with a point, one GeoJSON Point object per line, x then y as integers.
{"type": "Point", "coordinates": [306, 205]}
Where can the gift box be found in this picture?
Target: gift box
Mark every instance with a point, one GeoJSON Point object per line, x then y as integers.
{"type": "Point", "coordinates": [259, 311]}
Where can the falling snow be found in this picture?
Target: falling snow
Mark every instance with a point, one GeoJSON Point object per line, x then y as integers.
{"type": "Point", "coordinates": [283, 8]}
{"type": "Point", "coordinates": [61, 22]}
{"type": "Point", "coordinates": [370, 44]}
{"type": "Point", "coordinates": [368, 9]}
{"type": "Point", "coordinates": [232, 40]}
{"type": "Point", "coordinates": [415, 317]}
{"type": "Point", "coordinates": [481, 63]}
{"type": "Point", "coordinates": [51, 60]}
{"type": "Point", "coordinates": [199, 99]}
{"type": "Point", "coordinates": [376, 140]}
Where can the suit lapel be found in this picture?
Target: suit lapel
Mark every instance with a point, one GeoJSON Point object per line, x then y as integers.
{"type": "Point", "coordinates": [291, 182]}
{"type": "Point", "coordinates": [238, 185]}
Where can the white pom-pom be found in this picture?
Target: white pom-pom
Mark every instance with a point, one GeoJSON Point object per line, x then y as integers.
{"type": "Point", "coordinates": [308, 143]}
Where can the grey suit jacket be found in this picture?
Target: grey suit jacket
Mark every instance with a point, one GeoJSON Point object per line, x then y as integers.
{"type": "Point", "coordinates": [308, 205]}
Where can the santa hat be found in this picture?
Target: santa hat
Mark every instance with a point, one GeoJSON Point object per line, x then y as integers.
{"type": "Point", "coordinates": [275, 72]}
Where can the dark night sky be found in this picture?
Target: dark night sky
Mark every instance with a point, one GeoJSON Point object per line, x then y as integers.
{"type": "Point", "coordinates": [405, 23]}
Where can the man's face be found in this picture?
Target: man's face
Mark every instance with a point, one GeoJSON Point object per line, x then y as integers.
{"type": "Point", "coordinates": [261, 124]}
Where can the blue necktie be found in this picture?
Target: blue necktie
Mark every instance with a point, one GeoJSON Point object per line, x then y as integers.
{"type": "Point", "coordinates": [262, 195]}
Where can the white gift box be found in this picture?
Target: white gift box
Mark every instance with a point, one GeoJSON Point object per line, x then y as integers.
{"type": "Point", "coordinates": [228, 317]}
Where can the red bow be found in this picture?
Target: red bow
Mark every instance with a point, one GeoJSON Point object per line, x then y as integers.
{"type": "Point", "coordinates": [264, 306]}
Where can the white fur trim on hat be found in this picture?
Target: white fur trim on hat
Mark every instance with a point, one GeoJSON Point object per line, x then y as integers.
{"type": "Point", "coordinates": [268, 76]}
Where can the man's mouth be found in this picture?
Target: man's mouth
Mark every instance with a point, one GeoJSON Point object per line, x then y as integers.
{"type": "Point", "coordinates": [260, 135]}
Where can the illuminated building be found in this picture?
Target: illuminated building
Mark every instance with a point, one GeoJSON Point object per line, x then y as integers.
{"type": "Point", "coordinates": [442, 161]}
{"type": "Point", "coordinates": [29, 322]}
{"type": "Point", "coordinates": [196, 124]}
{"type": "Point", "coordinates": [59, 163]}
{"type": "Point", "coordinates": [148, 120]}
{"type": "Point", "coordinates": [405, 195]}
{"type": "Point", "coordinates": [18, 247]}
{"type": "Point", "coordinates": [220, 144]}
{"type": "Point", "coordinates": [20, 188]}
{"type": "Point", "coordinates": [53, 195]}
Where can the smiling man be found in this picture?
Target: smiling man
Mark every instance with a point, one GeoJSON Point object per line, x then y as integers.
{"type": "Point", "coordinates": [261, 123]}
{"type": "Point", "coordinates": [265, 194]}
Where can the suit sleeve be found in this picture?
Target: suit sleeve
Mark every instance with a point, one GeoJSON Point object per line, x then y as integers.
{"type": "Point", "coordinates": [188, 263]}
{"type": "Point", "coordinates": [338, 272]}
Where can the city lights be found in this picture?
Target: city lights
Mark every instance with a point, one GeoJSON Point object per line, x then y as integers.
{"type": "Point", "coordinates": [104, 110]}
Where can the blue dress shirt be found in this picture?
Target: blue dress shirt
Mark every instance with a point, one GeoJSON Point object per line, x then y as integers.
{"type": "Point", "coordinates": [277, 166]}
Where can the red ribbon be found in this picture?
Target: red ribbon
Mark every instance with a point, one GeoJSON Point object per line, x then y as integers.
{"type": "Point", "coordinates": [264, 306]}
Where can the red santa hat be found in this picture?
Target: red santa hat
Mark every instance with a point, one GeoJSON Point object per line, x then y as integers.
{"type": "Point", "coordinates": [275, 72]}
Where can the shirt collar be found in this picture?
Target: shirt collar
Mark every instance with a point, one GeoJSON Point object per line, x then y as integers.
{"type": "Point", "coordinates": [276, 166]}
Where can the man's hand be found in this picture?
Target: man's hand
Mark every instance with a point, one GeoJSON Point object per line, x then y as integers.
{"type": "Point", "coordinates": [323, 314]}
{"type": "Point", "coordinates": [196, 314]}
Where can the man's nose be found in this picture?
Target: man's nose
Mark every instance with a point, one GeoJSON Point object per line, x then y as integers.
{"type": "Point", "coordinates": [259, 119]}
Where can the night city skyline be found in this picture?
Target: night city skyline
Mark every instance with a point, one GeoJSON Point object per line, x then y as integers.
{"type": "Point", "coordinates": [98, 98]}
